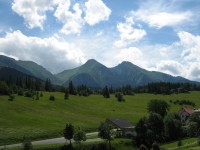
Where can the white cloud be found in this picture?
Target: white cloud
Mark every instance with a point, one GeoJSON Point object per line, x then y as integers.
{"type": "Point", "coordinates": [161, 14]}
{"type": "Point", "coordinates": [131, 54]}
{"type": "Point", "coordinates": [191, 45]}
{"type": "Point", "coordinates": [170, 67]}
{"type": "Point", "coordinates": [96, 11]}
{"type": "Point", "coordinates": [181, 58]}
{"type": "Point", "coordinates": [52, 53]}
{"type": "Point", "coordinates": [72, 22]}
{"type": "Point", "coordinates": [33, 11]}
{"type": "Point", "coordinates": [128, 33]}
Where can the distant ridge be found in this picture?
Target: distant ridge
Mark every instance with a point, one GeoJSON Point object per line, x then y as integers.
{"type": "Point", "coordinates": [125, 73]}
{"type": "Point", "coordinates": [93, 74]}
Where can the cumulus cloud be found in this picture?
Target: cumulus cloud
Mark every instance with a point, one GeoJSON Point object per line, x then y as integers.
{"type": "Point", "coordinates": [170, 67]}
{"type": "Point", "coordinates": [72, 22]}
{"type": "Point", "coordinates": [181, 58]}
{"type": "Point", "coordinates": [33, 11]}
{"type": "Point", "coordinates": [131, 54]}
{"type": "Point", "coordinates": [52, 53]}
{"type": "Point", "coordinates": [96, 11]}
{"type": "Point", "coordinates": [161, 14]}
{"type": "Point", "coordinates": [128, 33]}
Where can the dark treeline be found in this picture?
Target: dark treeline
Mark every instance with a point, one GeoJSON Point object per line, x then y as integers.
{"type": "Point", "coordinates": [31, 83]}
{"type": "Point", "coordinates": [167, 88]}
{"type": "Point", "coordinates": [12, 84]}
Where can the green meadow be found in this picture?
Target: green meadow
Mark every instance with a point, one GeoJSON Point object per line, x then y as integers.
{"type": "Point", "coordinates": [40, 119]}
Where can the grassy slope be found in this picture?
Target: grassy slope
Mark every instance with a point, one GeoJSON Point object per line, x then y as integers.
{"type": "Point", "coordinates": [44, 118]}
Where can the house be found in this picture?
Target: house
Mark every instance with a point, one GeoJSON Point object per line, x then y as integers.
{"type": "Point", "coordinates": [185, 113]}
{"type": "Point", "coordinates": [122, 126]}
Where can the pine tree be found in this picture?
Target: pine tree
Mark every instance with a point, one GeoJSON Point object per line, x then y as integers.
{"type": "Point", "coordinates": [106, 93]}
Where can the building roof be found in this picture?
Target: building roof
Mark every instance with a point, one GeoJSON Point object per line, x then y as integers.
{"type": "Point", "coordinates": [188, 110]}
{"type": "Point", "coordinates": [121, 123]}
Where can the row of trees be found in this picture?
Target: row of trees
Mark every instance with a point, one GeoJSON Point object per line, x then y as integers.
{"type": "Point", "coordinates": [105, 132]}
{"type": "Point", "coordinates": [167, 88]}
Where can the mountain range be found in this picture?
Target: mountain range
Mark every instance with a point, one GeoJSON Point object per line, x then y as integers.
{"type": "Point", "coordinates": [92, 74]}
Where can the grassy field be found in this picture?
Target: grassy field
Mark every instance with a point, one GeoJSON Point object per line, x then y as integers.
{"type": "Point", "coordinates": [43, 118]}
{"type": "Point", "coordinates": [189, 142]}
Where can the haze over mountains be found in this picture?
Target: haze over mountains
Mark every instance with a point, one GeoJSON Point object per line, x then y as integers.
{"type": "Point", "coordinates": [92, 74]}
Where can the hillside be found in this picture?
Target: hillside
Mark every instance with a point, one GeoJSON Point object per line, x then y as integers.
{"type": "Point", "coordinates": [29, 68]}
{"type": "Point", "coordinates": [100, 74]}
{"type": "Point", "coordinates": [93, 74]}
{"type": "Point", "coordinates": [38, 71]}
{"type": "Point", "coordinates": [123, 74]}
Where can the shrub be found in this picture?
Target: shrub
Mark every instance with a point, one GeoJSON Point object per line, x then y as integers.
{"type": "Point", "coordinates": [52, 98]}
{"type": "Point", "coordinates": [143, 147]}
{"type": "Point", "coordinates": [28, 94]}
{"type": "Point", "coordinates": [11, 97]}
{"type": "Point", "coordinates": [27, 145]}
{"type": "Point", "coordinates": [20, 92]}
{"type": "Point", "coordinates": [155, 146]}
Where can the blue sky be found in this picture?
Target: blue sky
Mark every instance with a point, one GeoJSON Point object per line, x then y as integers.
{"type": "Point", "coordinates": [159, 35]}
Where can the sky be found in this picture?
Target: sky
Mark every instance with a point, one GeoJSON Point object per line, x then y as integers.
{"type": "Point", "coordinates": [157, 35]}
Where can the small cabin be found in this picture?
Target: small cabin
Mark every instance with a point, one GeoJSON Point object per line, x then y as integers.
{"type": "Point", "coordinates": [185, 113]}
{"type": "Point", "coordinates": [122, 126]}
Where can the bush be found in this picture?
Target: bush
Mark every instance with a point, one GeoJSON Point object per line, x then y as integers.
{"type": "Point", "coordinates": [155, 146]}
{"type": "Point", "coordinates": [179, 143]}
{"type": "Point", "coordinates": [52, 98]}
{"type": "Point", "coordinates": [20, 92]}
{"type": "Point", "coordinates": [27, 145]}
{"type": "Point", "coordinates": [28, 94]}
{"type": "Point", "coordinates": [143, 147]}
{"type": "Point", "coordinates": [11, 97]}
{"type": "Point", "coordinates": [41, 94]}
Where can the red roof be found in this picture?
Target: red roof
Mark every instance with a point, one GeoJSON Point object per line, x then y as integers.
{"type": "Point", "coordinates": [188, 110]}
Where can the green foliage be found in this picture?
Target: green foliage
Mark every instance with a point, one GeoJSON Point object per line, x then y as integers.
{"type": "Point", "coordinates": [143, 147]}
{"type": "Point", "coordinates": [79, 136]}
{"type": "Point", "coordinates": [173, 127]}
{"type": "Point", "coordinates": [120, 97]}
{"type": "Point", "coordinates": [37, 96]}
{"type": "Point", "coordinates": [68, 132]}
{"type": "Point", "coordinates": [11, 97]}
{"type": "Point", "coordinates": [158, 106]}
{"type": "Point", "coordinates": [27, 145]}
{"type": "Point", "coordinates": [41, 94]}
{"type": "Point", "coordinates": [106, 93]}
{"type": "Point", "coordinates": [48, 85]}
{"type": "Point", "coordinates": [52, 98]}
{"type": "Point", "coordinates": [29, 93]}
{"type": "Point", "coordinates": [179, 143]}
{"type": "Point", "coordinates": [3, 88]}
{"type": "Point", "coordinates": [150, 129]}
{"type": "Point", "coordinates": [72, 89]}
{"type": "Point", "coordinates": [20, 92]}
{"type": "Point", "coordinates": [105, 132]}
{"type": "Point", "coordinates": [66, 96]}
{"type": "Point", "coordinates": [155, 146]}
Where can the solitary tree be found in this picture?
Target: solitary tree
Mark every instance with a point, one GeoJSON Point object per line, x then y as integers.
{"type": "Point", "coordinates": [66, 93]}
{"type": "Point", "coordinates": [72, 89]}
{"type": "Point", "coordinates": [106, 93]}
{"type": "Point", "coordinates": [173, 127]}
{"type": "Point", "coordinates": [158, 106]}
{"type": "Point", "coordinates": [27, 145]}
{"type": "Point", "coordinates": [79, 136]}
{"type": "Point", "coordinates": [120, 97]}
{"type": "Point", "coordinates": [69, 132]}
{"type": "Point", "coordinates": [105, 132]}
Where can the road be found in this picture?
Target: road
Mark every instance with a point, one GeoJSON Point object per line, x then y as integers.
{"type": "Point", "coordinates": [61, 140]}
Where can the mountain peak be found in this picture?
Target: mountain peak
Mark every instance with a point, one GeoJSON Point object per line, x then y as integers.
{"type": "Point", "coordinates": [91, 61]}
